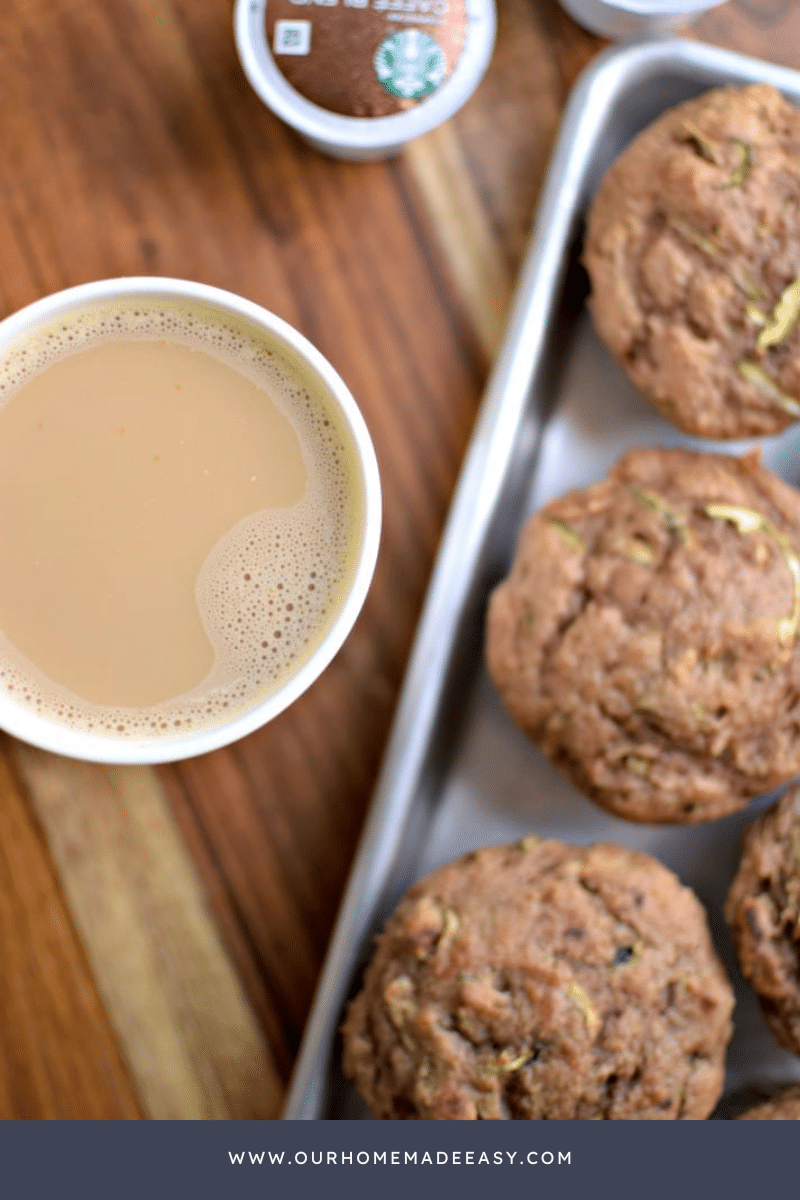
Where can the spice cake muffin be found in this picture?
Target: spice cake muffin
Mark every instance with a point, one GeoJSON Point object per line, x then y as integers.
{"type": "Point", "coordinates": [693, 250]}
{"type": "Point", "coordinates": [783, 1107]}
{"type": "Point", "coordinates": [542, 981]}
{"type": "Point", "coordinates": [646, 637]}
{"type": "Point", "coordinates": [763, 911]}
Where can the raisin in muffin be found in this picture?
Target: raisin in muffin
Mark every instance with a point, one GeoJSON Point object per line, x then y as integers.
{"type": "Point", "coordinates": [693, 249]}
{"type": "Point", "coordinates": [542, 981]}
{"type": "Point", "coordinates": [646, 637]}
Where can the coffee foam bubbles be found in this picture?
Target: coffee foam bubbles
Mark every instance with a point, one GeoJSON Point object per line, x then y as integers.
{"type": "Point", "coordinates": [272, 585]}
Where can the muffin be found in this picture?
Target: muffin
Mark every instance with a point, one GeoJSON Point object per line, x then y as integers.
{"type": "Point", "coordinates": [763, 911]}
{"type": "Point", "coordinates": [646, 637]}
{"type": "Point", "coordinates": [542, 981]}
{"type": "Point", "coordinates": [783, 1107]}
{"type": "Point", "coordinates": [693, 248]}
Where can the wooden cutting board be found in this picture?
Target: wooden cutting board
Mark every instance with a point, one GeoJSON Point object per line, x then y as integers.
{"type": "Point", "coordinates": [162, 930]}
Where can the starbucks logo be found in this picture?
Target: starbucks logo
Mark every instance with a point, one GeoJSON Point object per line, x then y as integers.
{"type": "Point", "coordinates": [410, 64]}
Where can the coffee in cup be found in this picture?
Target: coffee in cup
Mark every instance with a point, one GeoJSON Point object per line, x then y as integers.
{"type": "Point", "coordinates": [189, 517]}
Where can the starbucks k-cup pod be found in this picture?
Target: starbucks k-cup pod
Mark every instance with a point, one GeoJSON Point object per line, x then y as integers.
{"type": "Point", "coordinates": [359, 79]}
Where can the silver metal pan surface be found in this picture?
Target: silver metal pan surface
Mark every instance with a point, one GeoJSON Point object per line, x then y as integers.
{"type": "Point", "coordinates": [557, 414]}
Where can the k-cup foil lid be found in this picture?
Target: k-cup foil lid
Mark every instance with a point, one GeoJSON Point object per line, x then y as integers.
{"type": "Point", "coordinates": [361, 78]}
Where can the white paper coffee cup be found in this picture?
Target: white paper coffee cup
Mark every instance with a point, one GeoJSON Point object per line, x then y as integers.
{"type": "Point", "coordinates": [43, 728]}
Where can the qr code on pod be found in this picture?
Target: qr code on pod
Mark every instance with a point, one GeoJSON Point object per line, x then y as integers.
{"type": "Point", "coordinates": [292, 37]}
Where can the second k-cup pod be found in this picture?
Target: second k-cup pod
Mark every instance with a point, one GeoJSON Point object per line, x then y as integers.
{"type": "Point", "coordinates": [620, 19]}
{"type": "Point", "coordinates": [361, 78]}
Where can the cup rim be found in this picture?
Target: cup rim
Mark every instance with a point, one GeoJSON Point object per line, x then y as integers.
{"type": "Point", "coordinates": [90, 747]}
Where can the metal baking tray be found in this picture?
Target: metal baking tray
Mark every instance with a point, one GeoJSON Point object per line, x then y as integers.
{"type": "Point", "coordinates": [557, 414]}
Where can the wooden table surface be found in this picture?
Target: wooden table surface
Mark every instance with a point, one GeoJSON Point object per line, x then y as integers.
{"type": "Point", "coordinates": [162, 930]}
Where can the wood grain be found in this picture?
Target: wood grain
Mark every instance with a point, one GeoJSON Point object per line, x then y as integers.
{"type": "Point", "coordinates": [192, 1044]}
{"type": "Point", "coordinates": [163, 930]}
{"type": "Point", "coordinates": [474, 256]}
{"type": "Point", "coordinates": [58, 1053]}
{"type": "Point", "coordinates": [763, 28]}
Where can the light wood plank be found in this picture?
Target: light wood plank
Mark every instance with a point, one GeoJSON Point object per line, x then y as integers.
{"type": "Point", "coordinates": [59, 1057]}
{"type": "Point", "coordinates": [193, 1045]}
{"type": "Point", "coordinates": [471, 248]}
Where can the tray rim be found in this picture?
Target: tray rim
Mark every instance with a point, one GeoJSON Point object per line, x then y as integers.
{"type": "Point", "coordinates": [473, 507]}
